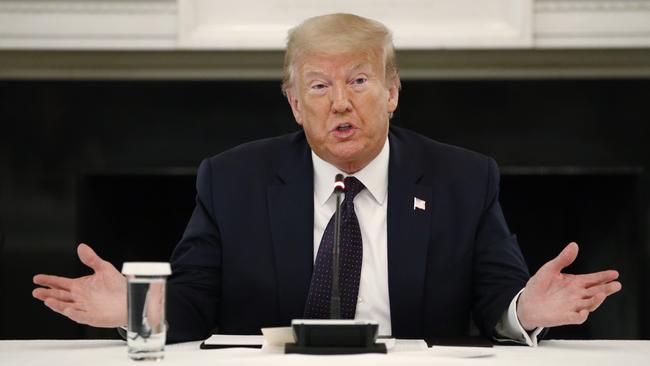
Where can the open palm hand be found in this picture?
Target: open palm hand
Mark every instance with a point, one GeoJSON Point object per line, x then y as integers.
{"type": "Point", "coordinates": [553, 298]}
{"type": "Point", "coordinates": [98, 300]}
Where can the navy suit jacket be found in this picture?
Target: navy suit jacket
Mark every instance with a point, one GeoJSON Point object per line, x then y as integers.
{"type": "Point", "coordinates": [246, 257]}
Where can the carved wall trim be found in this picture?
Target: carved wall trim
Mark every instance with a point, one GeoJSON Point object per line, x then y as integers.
{"type": "Point", "coordinates": [592, 23]}
{"type": "Point", "coordinates": [89, 7]}
{"type": "Point", "coordinates": [238, 25]}
{"type": "Point", "coordinates": [416, 24]}
{"type": "Point", "coordinates": [97, 24]}
{"type": "Point", "coordinates": [551, 6]}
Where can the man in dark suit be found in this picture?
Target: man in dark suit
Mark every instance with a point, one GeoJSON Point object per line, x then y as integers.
{"type": "Point", "coordinates": [427, 245]}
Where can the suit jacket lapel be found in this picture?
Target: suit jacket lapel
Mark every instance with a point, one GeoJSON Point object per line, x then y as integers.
{"type": "Point", "coordinates": [408, 237]}
{"type": "Point", "coordinates": [291, 212]}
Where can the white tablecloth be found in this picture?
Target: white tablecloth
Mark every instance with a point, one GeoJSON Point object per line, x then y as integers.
{"type": "Point", "coordinates": [110, 352]}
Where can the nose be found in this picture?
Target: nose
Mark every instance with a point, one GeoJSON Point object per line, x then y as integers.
{"type": "Point", "coordinates": [340, 99]}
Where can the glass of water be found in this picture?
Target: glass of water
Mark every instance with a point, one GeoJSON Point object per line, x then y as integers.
{"type": "Point", "coordinates": [147, 329]}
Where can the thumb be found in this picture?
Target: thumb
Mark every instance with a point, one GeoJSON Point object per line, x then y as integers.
{"type": "Point", "coordinates": [89, 257]}
{"type": "Point", "coordinates": [565, 258]}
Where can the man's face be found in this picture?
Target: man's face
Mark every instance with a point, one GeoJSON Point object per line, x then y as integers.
{"type": "Point", "coordinates": [343, 103]}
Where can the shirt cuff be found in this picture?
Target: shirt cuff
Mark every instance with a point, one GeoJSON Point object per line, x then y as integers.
{"type": "Point", "coordinates": [509, 328]}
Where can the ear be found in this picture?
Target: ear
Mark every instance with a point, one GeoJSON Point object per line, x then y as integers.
{"type": "Point", "coordinates": [295, 105]}
{"type": "Point", "coordinates": [393, 97]}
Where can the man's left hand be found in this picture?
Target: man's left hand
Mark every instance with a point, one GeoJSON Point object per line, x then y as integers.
{"type": "Point", "coordinates": [553, 298]}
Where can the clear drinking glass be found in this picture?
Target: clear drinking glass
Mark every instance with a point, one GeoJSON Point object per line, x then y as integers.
{"type": "Point", "coordinates": [147, 329]}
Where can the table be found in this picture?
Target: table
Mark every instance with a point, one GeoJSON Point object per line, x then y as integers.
{"type": "Point", "coordinates": [113, 352]}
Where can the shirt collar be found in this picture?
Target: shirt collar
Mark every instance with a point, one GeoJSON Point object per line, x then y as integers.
{"type": "Point", "coordinates": [374, 176]}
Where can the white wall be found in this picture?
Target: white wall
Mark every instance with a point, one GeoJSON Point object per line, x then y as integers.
{"type": "Point", "coordinates": [262, 24]}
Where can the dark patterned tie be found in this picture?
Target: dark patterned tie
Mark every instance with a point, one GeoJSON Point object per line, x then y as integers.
{"type": "Point", "coordinates": [351, 255]}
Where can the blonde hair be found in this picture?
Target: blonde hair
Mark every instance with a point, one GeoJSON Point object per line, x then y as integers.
{"type": "Point", "coordinates": [337, 33]}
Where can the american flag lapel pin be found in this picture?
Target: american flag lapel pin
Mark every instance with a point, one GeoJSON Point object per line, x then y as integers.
{"type": "Point", "coordinates": [419, 204]}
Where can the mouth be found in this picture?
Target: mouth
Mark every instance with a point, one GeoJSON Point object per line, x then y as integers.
{"type": "Point", "coordinates": [344, 131]}
{"type": "Point", "coordinates": [343, 127]}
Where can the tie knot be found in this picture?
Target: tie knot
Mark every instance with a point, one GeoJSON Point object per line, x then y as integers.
{"type": "Point", "coordinates": [352, 187]}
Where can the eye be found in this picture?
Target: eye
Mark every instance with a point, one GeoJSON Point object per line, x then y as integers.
{"type": "Point", "coordinates": [318, 86]}
{"type": "Point", "coordinates": [360, 80]}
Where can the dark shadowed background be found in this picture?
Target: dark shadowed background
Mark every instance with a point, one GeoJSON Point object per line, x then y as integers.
{"type": "Point", "coordinates": [112, 163]}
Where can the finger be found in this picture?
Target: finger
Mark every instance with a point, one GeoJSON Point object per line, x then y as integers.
{"type": "Point", "coordinates": [89, 257]}
{"type": "Point", "coordinates": [67, 310]}
{"type": "Point", "coordinates": [63, 283]}
{"type": "Point", "coordinates": [607, 289]}
{"type": "Point", "coordinates": [577, 317]}
{"type": "Point", "coordinates": [597, 278]}
{"type": "Point", "coordinates": [592, 303]}
{"type": "Point", "coordinates": [58, 306]}
{"type": "Point", "coordinates": [564, 259]}
{"type": "Point", "coordinates": [45, 293]}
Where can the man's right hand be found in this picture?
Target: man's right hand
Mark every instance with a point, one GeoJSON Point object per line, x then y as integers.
{"type": "Point", "coordinates": [98, 300]}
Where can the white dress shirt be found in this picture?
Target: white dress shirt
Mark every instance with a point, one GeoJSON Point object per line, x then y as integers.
{"type": "Point", "coordinates": [371, 207]}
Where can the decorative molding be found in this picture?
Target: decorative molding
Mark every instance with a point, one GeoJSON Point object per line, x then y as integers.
{"type": "Point", "coordinates": [267, 65]}
{"type": "Point", "coordinates": [88, 7]}
{"type": "Point", "coordinates": [554, 6]}
{"type": "Point", "coordinates": [592, 24]}
{"type": "Point", "coordinates": [97, 24]}
{"type": "Point", "coordinates": [416, 24]}
{"type": "Point", "coordinates": [231, 25]}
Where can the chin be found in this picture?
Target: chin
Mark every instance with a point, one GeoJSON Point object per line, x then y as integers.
{"type": "Point", "coordinates": [347, 150]}
{"type": "Point", "coordinates": [347, 155]}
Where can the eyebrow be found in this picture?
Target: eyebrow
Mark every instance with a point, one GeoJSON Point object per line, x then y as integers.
{"type": "Point", "coordinates": [316, 73]}
{"type": "Point", "coordinates": [360, 66]}
{"type": "Point", "coordinates": [309, 74]}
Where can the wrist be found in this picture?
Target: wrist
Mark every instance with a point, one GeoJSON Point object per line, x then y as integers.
{"type": "Point", "coordinates": [523, 313]}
